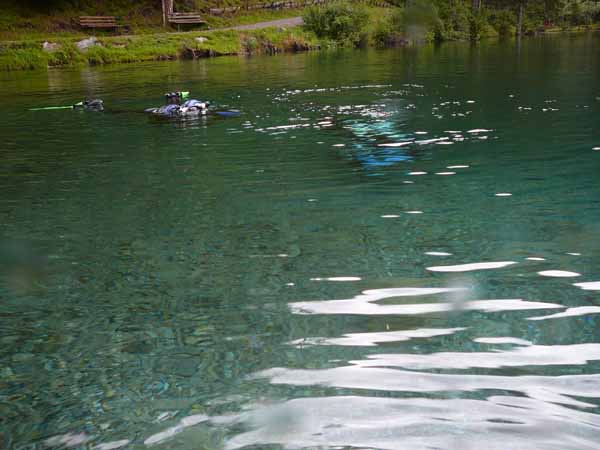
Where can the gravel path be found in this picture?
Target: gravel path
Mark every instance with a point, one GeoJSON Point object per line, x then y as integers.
{"type": "Point", "coordinates": [287, 23]}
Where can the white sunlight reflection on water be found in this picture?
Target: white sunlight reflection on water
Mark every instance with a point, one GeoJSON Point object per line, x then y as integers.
{"type": "Point", "coordinates": [496, 423]}
{"type": "Point", "coordinates": [472, 266]}
{"type": "Point", "coordinates": [589, 286]}
{"type": "Point", "coordinates": [559, 274]}
{"type": "Point", "coordinates": [366, 303]}
{"type": "Point", "coordinates": [565, 389]}
{"type": "Point", "coordinates": [529, 355]}
{"type": "Point", "coordinates": [372, 339]}
{"type": "Point", "coordinates": [571, 312]}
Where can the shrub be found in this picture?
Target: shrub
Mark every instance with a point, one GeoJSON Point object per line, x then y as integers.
{"type": "Point", "coordinates": [477, 26]}
{"type": "Point", "coordinates": [453, 23]}
{"type": "Point", "coordinates": [591, 11]}
{"type": "Point", "coordinates": [504, 22]}
{"type": "Point", "coordinates": [480, 26]}
{"type": "Point", "coordinates": [389, 30]}
{"type": "Point", "coordinates": [251, 44]}
{"type": "Point", "coordinates": [419, 19]}
{"type": "Point", "coordinates": [340, 21]}
{"type": "Point", "coordinates": [581, 12]}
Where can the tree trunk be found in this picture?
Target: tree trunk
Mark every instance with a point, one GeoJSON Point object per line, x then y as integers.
{"type": "Point", "coordinates": [520, 24]}
{"type": "Point", "coordinates": [476, 5]}
{"type": "Point", "coordinates": [167, 7]}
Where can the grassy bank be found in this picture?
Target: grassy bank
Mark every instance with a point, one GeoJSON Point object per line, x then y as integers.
{"type": "Point", "coordinates": [154, 44]}
{"type": "Point", "coordinates": [28, 55]}
{"type": "Point", "coordinates": [26, 25]}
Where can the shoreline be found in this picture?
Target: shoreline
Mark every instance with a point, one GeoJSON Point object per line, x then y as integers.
{"type": "Point", "coordinates": [266, 38]}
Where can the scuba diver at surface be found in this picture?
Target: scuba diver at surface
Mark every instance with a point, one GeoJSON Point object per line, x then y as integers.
{"type": "Point", "coordinates": [174, 107]}
{"type": "Point", "coordinates": [178, 105]}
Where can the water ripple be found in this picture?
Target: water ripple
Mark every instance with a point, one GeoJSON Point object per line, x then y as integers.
{"type": "Point", "coordinates": [498, 423]}
{"type": "Point", "coordinates": [529, 355]}
{"type": "Point", "coordinates": [373, 339]}
{"type": "Point", "coordinates": [472, 266]}
{"type": "Point", "coordinates": [364, 304]}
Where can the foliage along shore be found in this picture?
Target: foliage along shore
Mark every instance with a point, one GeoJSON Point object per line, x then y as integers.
{"type": "Point", "coordinates": [338, 24]}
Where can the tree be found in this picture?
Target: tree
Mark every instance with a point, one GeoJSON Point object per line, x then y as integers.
{"type": "Point", "coordinates": [520, 20]}
{"type": "Point", "coordinates": [520, 5]}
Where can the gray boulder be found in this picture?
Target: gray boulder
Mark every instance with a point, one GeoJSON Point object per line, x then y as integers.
{"type": "Point", "coordinates": [50, 46]}
{"type": "Point", "coordinates": [87, 43]}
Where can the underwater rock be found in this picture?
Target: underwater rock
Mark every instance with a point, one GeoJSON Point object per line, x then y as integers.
{"type": "Point", "coordinates": [178, 366]}
{"type": "Point", "coordinates": [6, 372]}
{"type": "Point", "coordinates": [193, 53]}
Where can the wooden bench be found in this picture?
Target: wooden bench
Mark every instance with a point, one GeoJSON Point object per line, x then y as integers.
{"type": "Point", "coordinates": [107, 22]}
{"type": "Point", "coordinates": [185, 19]}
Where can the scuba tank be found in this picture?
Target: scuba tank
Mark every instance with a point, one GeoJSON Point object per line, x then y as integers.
{"type": "Point", "coordinates": [176, 97]}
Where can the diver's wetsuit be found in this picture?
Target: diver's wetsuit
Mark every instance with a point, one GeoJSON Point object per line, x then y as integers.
{"type": "Point", "coordinates": [190, 108]}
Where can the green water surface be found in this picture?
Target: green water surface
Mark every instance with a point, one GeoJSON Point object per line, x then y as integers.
{"type": "Point", "coordinates": [387, 250]}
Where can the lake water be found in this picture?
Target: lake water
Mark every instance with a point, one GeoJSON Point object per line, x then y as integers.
{"type": "Point", "coordinates": [387, 250]}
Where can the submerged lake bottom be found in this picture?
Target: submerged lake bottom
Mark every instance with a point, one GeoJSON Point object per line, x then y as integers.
{"type": "Point", "coordinates": [386, 250]}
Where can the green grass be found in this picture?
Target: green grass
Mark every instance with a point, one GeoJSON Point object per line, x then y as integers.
{"type": "Point", "coordinates": [29, 55]}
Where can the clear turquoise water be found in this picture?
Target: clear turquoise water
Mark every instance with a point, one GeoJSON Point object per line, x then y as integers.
{"type": "Point", "coordinates": [266, 282]}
